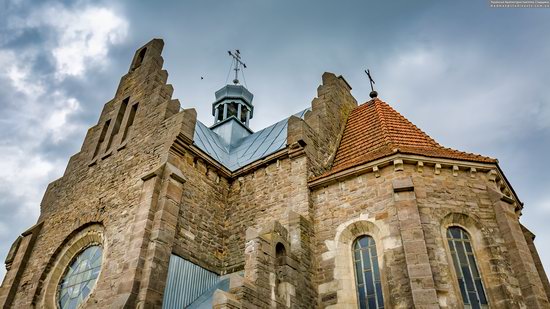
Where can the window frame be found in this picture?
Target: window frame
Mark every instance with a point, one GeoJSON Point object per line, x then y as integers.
{"type": "Point", "coordinates": [87, 236]}
{"type": "Point", "coordinates": [341, 249]}
{"type": "Point", "coordinates": [453, 271]}
{"type": "Point", "coordinates": [63, 276]}
{"type": "Point", "coordinates": [379, 260]}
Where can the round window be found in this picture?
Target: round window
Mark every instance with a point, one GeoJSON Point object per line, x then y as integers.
{"type": "Point", "coordinates": [80, 277]}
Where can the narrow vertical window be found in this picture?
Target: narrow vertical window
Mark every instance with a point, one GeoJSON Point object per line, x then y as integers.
{"type": "Point", "coordinates": [367, 273]}
{"type": "Point", "coordinates": [469, 279]}
{"type": "Point", "coordinates": [220, 112]}
{"type": "Point", "coordinates": [102, 137]}
{"type": "Point", "coordinates": [118, 121]}
{"type": "Point", "coordinates": [130, 121]}
{"type": "Point", "coordinates": [139, 58]}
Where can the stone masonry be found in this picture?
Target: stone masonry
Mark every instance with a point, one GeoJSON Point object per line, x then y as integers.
{"type": "Point", "coordinates": [281, 227]}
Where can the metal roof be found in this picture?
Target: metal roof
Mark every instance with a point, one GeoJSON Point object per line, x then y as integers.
{"type": "Point", "coordinates": [205, 300]}
{"type": "Point", "coordinates": [186, 283]}
{"type": "Point", "coordinates": [251, 148]}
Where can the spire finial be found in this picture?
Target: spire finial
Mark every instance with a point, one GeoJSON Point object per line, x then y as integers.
{"type": "Point", "coordinates": [238, 62]}
{"type": "Point", "coordinates": [373, 94]}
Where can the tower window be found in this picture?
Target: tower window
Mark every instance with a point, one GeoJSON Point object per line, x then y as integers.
{"type": "Point", "coordinates": [139, 58]}
{"type": "Point", "coordinates": [244, 112]}
{"type": "Point", "coordinates": [220, 112]}
{"type": "Point", "coordinates": [102, 137]}
{"type": "Point", "coordinates": [118, 121]}
{"type": "Point", "coordinates": [280, 253]}
{"type": "Point", "coordinates": [367, 273]}
{"type": "Point", "coordinates": [469, 279]}
{"type": "Point", "coordinates": [130, 121]}
{"type": "Point", "coordinates": [232, 109]}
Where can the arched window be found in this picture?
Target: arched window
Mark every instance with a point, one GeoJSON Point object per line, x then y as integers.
{"type": "Point", "coordinates": [367, 273]}
{"type": "Point", "coordinates": [139, 58]}
{"type": "Point", "coordinates": [469, 279]}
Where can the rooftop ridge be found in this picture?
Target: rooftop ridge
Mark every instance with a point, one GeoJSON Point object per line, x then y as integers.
{"type": "Point", "coordinates": [381, 120]}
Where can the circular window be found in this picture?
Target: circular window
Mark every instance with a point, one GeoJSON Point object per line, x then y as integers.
{"type": "Point", "coordinates": [80, 277]}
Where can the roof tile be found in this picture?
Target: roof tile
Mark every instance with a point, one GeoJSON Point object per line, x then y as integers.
{"type": "Point", "coordinates": [375, 130]}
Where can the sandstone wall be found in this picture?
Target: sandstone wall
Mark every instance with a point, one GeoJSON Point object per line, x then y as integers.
{"type": "Point", "coordinates": [201, 228]}
{"type": "Point", "coordinates": [266, 194]}
{"type": "Point", "coordinates": [105, 188]}
{"type": "Point", "coordinates": [407, 208]}
{"type": "Point", "coordinates": [320, 131]}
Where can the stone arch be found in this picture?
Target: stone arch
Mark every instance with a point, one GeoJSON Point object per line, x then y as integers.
{"type": "Point", "coordinates": [87, 235]}
{"type": "Point", "coordinates": [480, 244]}
{"type": "Point", "coordinates": [344, 270]}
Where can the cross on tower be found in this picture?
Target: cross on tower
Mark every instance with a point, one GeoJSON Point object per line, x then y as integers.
{"type": "Point", "coordinates": [238, 62]}
{"type": "Point", "coordinates": [373, 94]}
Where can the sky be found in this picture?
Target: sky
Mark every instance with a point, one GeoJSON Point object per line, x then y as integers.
{"type": "Point", "coordinates": [474, 78]}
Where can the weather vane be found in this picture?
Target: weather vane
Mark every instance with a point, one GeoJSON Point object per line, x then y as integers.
{"type": "Point", "coordinates": [373, 94]}
{"type": "Point", "coordinates": [238, 62]}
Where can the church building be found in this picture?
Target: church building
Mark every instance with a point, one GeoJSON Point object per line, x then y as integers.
{"type": "Point", "coordinates": [344, 204]}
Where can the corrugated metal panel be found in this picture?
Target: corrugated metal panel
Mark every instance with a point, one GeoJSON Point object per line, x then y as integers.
{"type": "Point", "coordinates": [251, 148]}
{"type": "Point", "coordinates": [186, 282]}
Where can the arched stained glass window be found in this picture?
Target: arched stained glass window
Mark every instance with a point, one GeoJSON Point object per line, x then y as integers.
{"type": "Point", "coordinates": [367, 273]}
{"type": "Point", "coordinates": [469, 279]}
{"type": "Point", "coordinates": [80, 277]}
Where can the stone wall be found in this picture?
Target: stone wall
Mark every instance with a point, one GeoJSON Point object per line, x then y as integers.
{"type": "Point", "coordinates": [406, 208]}
{"type": "Point", "coordinates": [267, 193]}
{"type": "Point", "coordinates": [339, 209]}
{"type": "Point", "coordinates": [201, 228]}
{"type": "Point", "coordinates": [104, 185]}
{"type": "Point", "coordinates": [320, 131]}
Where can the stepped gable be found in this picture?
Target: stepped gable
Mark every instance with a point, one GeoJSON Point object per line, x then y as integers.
{"type": "Point", "coordinates": [375, 130]}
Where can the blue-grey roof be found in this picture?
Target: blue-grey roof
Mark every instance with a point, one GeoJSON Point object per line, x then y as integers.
{"type": "Point", "coordinates": [251, 148]}
{"type": "Point", "coordinates": [205, 300]}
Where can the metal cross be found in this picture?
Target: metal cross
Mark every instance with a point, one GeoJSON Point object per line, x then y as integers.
{"type": "Point", "coordinates": [373, 94]}
{"type": "Point", "coordinates": [370, 79]}
{"type": "Point", "coordinates": [238, 62]}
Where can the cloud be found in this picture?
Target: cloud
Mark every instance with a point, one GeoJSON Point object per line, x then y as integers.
{"type": "Point", "coordinates": [459, 92]}
{"type": "Point", "coordinates": [82, 35]}
{"type": "Point", "coordinates": [46, 49]}
{"type": "Point", "coordinates": [20, 79]}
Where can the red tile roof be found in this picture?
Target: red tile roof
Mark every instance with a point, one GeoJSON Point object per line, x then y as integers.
{"type": "Point", "coordinates": [375, 130]}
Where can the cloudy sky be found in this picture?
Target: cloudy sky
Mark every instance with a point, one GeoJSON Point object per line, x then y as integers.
{"type": "Point", "coordinates": [472, 77]}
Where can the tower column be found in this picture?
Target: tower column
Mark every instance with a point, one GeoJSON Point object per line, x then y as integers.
{"type": "Point", "coordinates": [216, 114]}
{"type": "Point", "coordinates": [415, 248]}
{"type": "Point", "coordinates": [239, 111]}
{"type": "Point", "coordinates": [247, 117]}
{"type": "Point", "coordinates": [224, 111]}
{"type": "Point", "coordinates": [519, 256]}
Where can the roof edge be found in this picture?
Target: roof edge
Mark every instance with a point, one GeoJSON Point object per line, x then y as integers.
{"type": "Point", "coordinates": [366, 167]}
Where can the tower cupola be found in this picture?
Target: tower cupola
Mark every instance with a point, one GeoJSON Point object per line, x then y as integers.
{"type": "Point", "coordinates": [233, 101]}
{"type": "Point", "coordinates": [233, 107]}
